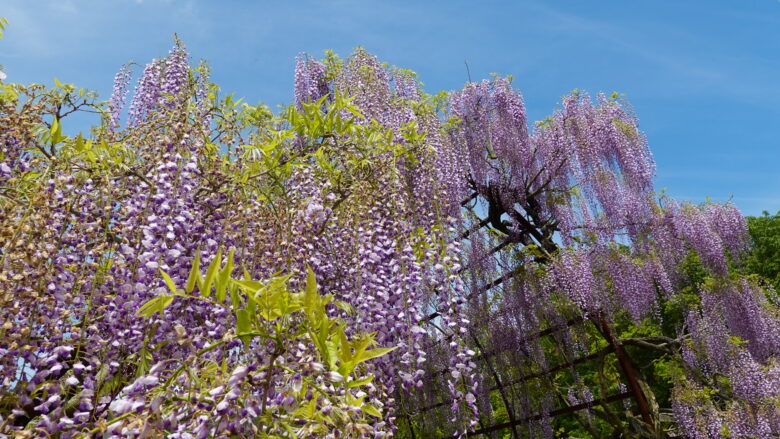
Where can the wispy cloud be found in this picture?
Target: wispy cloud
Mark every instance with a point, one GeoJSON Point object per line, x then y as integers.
{"type": "Point", "coordinates": [740, 77]}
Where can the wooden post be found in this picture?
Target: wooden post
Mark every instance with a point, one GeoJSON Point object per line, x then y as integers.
{"type": "Point", "coordinates": [510, 410]}
{"type": "Point", "coordinates": [411, 427]}
{"type": "Point", "coordinates": [628, 371]}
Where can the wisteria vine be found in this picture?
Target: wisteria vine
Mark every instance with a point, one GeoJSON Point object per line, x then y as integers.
{"type": "Point", "coordinates": [197, 266]}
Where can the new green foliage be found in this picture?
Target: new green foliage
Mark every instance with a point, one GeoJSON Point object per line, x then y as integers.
{"type": "Point", "coordinates": [339, 396]}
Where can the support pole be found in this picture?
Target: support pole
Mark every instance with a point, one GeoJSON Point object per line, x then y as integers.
{"type": "Point", "coordinates": [628, 371]}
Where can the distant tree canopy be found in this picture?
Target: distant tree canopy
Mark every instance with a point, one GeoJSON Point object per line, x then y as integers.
{"type": "Point", "coordinates": [764, 255]}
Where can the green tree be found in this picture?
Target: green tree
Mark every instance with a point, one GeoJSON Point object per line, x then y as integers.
{"type": "Point", "coordinates": [764, 257]}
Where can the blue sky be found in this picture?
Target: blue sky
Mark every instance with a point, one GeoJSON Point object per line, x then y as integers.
{"type": "Point", "coordinates": [703, 76]}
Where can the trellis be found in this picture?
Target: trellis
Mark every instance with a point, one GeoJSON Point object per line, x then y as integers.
{"type": "Point", "coordinates": [633, 391]}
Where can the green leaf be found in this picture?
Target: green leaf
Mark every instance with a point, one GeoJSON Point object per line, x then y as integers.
{"type": "Point", "coordinates": [168, 281]}
{"type": "Point", "coordinates": [290, 431]}
{"type": "Point", "coordinates": [345, 348]}
{"type": "Point", "coordinates": [249, 286]}
{"type": "Point", "coordinates": [235, 299]}
{"type": "Point", "coordinates": [362, 344]}
{"type": "Point", "coordinates": [166, 300]}
{"type": "Point", "coordinates": [333, 353]}
{"type": "Point", "coordinates": [56, 132]}
{"type": "Point", "coordinates": [158, 304]}
{"type": "Point", "coordinates": [79, 143]}
{"type": "Point", "coordinates": [344, 306]}
{"type": "Point", "coordinates": [102, 373]}
{"type": "Point", "coordinates": [55, 127]}
{"type": "Point", "coordinates": [211, 272]}
{"type": "Point", "coordinates": [361, 382]}
{"type": "Point", "coordinates": [251, 305]}
{"type": "Point", "coordinates": [195, 277]}
{"type": "Point", "coordinates": [149, 308]}
{"type": "Point", "coordinates": [320, 338]}
{"type": "Point", "coordinates": [320, 346]}
{"type": "Point", "coordinates": [243, 322]}
{"type": "Point", "coordinates": [223, 277]}
{"type": "Point", "coordinates": [373, 353]}
{"type": "Point", "coordinates": [3, 24]}
{"type": "Point", "coordinates": [371, 410]}
{"type": "Point", "coordinates": [310, 298]}
{"type": "Point", "coordinates": [307, 411]}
